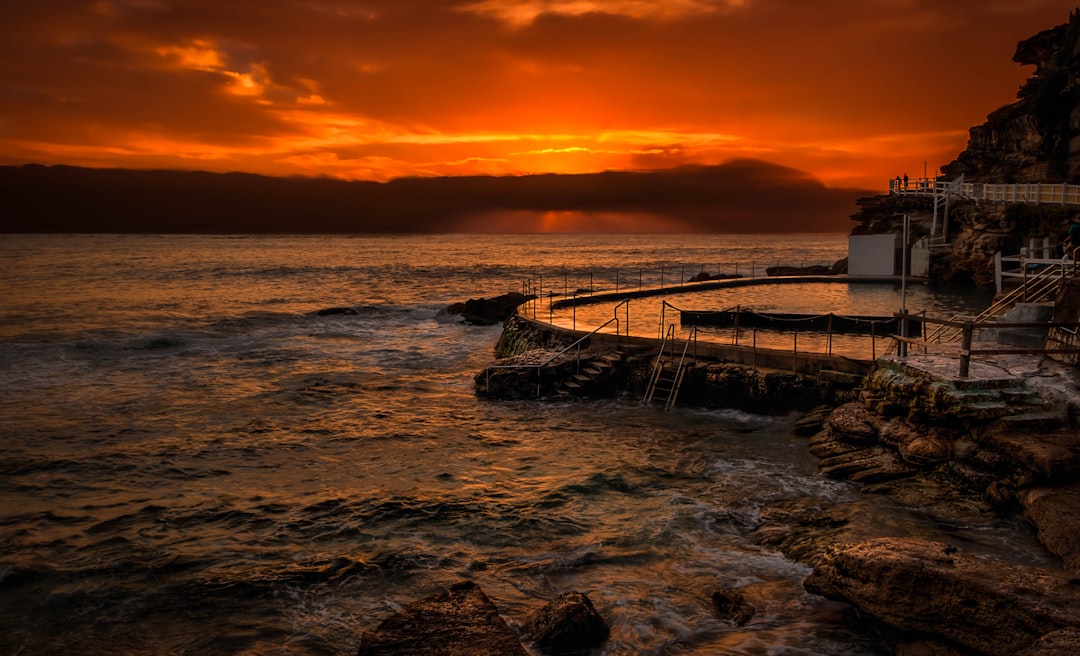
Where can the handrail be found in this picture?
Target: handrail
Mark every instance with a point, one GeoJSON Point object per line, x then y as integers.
{"type": "Point", "coordinates": [1034, 290]}
{"type": "Point", "coordinates": [1056, 193]}
{"type": "Point", "coordinates": [679, 372]}
{"type": "Point", "coordinates": [539, 367]}
{"type": "Point", "coordinates": [667, 338]}
{"type": "Point", "coordinates": [969, 326]}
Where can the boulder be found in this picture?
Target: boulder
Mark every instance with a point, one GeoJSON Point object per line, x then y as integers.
{"type": "Point", "coordinates": [1056, 514]}
{"type": "Point", "coordinates": [488, 311]}
{"type": "Point", "coordinates": [927, 588]}
{"type": "Point", "coordinates": [458, 621]}
{"type": "Point", "coordinates": [568, 624]}
{"type": "Point", "coordinates": [854, 423]}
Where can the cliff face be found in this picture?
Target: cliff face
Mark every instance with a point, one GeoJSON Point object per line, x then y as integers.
{"type": "Point", "coordinates": [1036, 140]}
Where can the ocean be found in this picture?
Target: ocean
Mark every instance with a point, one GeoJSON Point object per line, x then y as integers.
{"type": "Point", "coordinates": [195, 463]}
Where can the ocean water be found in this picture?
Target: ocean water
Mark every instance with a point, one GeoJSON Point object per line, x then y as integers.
{"type": "Point", "coordinates": [194, 463]}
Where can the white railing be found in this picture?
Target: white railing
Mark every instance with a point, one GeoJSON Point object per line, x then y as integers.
{"type": "Point", "coordinates": [1036, 261]}
{"type": "Point", "coordinates": [1039, 193]}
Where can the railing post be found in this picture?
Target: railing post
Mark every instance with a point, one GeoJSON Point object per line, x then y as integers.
{"type": "Point", "coordinates": [965, 350]}
{"type": "Point", "coordinates": [997, 271]}
{"type": "Point", "coordinates": [735, 336]}
{"type": "Point", "coordinates": [901, 346]}
{"type": "Point", "coordinates": [795, 354]}
{"type": "Point", "coordinates": [754, 350]}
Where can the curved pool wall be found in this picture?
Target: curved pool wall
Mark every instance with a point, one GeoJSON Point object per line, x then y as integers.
{"type": "Point", "coordinates": [807, 363]}
{"type": "Point", "coordinates": [708, 285]}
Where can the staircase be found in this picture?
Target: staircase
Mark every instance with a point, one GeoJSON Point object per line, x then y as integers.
{"type": "Point", "coordinates": [591, 375]}
{"type": "Point", "coordinates": [1041, 287]}
{"type": "Point", "coordinates": [669, 369]}
{"type": "Point", "coordinates": [897, 388]}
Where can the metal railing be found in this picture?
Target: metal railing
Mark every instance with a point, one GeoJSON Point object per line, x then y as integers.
{"type": "Point", "coordinates": [613, 280]}
{"type": "Point", "coordinates": [1039, 193]}
{"type": "Point", "coordinates": [967, 330]}
{"type": "Point", "coordinates": [655, 377]}
{"type": "Point", "coordinates": [576, 344]}
{"type": "Point", "coordinates": [736, 330]}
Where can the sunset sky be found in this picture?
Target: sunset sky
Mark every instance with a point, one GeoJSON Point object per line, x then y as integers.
{"type": "Point", "coordinates": [852, 92]}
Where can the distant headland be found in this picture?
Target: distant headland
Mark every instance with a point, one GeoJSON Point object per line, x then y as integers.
{"type": "Point", "coordinates": [740, 196]}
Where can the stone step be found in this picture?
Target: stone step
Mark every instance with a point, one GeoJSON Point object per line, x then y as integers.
{"type": "Point", "coordinates": [983, 410]}
{"type": "Point", "coordinates": [974, 397]}
{"type": "Point", "coordinates": [1033, 422]}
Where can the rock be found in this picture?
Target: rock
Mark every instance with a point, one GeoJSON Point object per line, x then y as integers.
{"type": "Point", "coordinates": [812, 422]}
{"type": "Point", "coordinates": [454, 309]}
{"type": "Point", "coordinates": [1056, 514]}
{"type": "Point", "coordinates": [326, 312]}
{"type": "Point", "coordinates": [1053, 456]}
{"type": "Point", "coordinates": [1065, 642]}
{"type": "Point", "coordinates": [488, 311]}
{"type": "Point", "coordinates": [458, 621]}
{"type": "Point", "coordinates": [922, 587]}
{"type": "Point", "coordinates": [732, 606]}
{"type": "Point", "coordinates": [853, 422]}
{"type": "Point", "coordinates": [568, 624]}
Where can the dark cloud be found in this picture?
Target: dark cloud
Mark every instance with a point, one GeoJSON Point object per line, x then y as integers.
{"type": "Point", "coordinates": [740, 196]}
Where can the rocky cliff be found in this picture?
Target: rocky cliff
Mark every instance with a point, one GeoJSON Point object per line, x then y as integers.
{"type": "Point", "coordinates": [1034, 140]}
{"type": "Point", "coordinates": [1037, 138]}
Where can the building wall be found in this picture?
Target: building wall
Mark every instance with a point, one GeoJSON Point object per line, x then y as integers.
{"type": "Point", "coordinates": [873, 255]}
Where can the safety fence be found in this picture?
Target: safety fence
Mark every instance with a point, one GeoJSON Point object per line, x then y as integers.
{"type": "Point", "coordinates": [576, 282]}
{"type": "Point", "coordinates": [1062, 333]}
{"type": "Point", "coordinates": [1038, 193]}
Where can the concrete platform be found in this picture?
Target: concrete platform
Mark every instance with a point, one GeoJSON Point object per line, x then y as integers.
{"type": "Point", "coordinates": [1056, 383]}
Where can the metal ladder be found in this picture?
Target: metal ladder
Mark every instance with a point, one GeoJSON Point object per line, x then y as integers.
{"type": "Point", "coordinates": [668, 371]}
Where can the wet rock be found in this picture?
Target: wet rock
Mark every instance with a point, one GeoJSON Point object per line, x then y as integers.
{"type": "Point", "coordinates": [918, 444]}
{"type": "Point", "coordinates": [812, 422]}
{"type": "Point", "coordinates": [1056, 514]}
{"type": "Point", "coordinates": [568, 624]}
{"type": "Point", "coordinates": [1052, 456]}
{"type": "Point", "coordinates": [922, 587]}
{"type": "Point", "coordinates": [868, 465]}
{"type": "Point", "coordinates": [458, 621]}
{"type": "Point", "coordinates": [925, 450]}
{"type": "Point", "coordinates": [327, 312]}
{"type": "Point", "coordinates": [488, 311]}
{"type": "Point", "coordinates": [452, 310]}
{"type": "Point", "coordinates": [1065, 642]}
{"type": "Point", "coordinates": [853, 422]}
{"type": "Point", "coordinates": [730, 605]}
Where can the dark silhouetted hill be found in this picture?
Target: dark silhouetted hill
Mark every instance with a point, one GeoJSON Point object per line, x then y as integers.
{"type": "Point", "coordinates": [739, 196]}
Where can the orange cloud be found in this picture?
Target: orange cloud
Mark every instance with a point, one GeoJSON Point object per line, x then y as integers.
{"type": "Point", "coordinates": [852, 93]}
